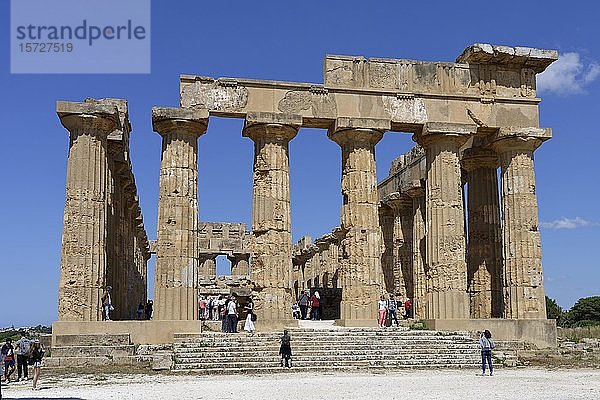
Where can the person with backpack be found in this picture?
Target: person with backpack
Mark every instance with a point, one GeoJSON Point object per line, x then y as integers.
{"type": "Point", "coordinates": [315, 303]}
{"type": "Point", "coordinates": [8, 357]}
{"type": "Point", "coordinates": [23, 347]}
{"type": "Point", "coordinates": [487, 344]}
{"type": "Point", "coordinates": [392, 307]}
{"type": "Point", "coordinates": [285, 350]}
{"type": "Point", "coordinates": [303, 304]}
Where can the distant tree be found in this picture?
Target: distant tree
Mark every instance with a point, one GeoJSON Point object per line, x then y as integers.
{"type": "Point", "coordinates": [554, 311]}
{"type": "Point", "coordinates": [585, 312]}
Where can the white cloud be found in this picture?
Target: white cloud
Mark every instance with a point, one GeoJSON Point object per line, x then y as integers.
{"type": "Point", "coordinates": [568, 223]}
{"type": "Point", "coordinates": [568, 75]}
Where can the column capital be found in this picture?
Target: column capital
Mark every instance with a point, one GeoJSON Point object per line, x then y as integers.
{"type": "Point", "coordinates": [416, 192]}
{"type": "Point", "coordinates": [93, 118]}
{"type": "Point", "coordinates": [474, 158]}
{"type": "Point", "coordinates": [166, 120]}
{"type": "Point", "coordinates": [274, 125]}
{"type": "Point", "coordinates": [440, 131]}
{"type": "Point", "coordinates": [397, 201]}
{"type": "Point", "coordinates": [358, 131]}
{"type": "Point", "coordinates": [519, 138]}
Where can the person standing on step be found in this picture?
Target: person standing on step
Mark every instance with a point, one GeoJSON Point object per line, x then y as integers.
{"type": "Point", "coordinates": [487, 344]}
{"type": "Point", "coordinates": [315, 302]}
{"type": "Point", "coordinates": [107, 306]}
{"type": "Point", "coordinates": [23, 347]}
{"type": "Point", "coordinates": [407, 308]}
{"type": "Point", "coordinates": [249, 325]}
{"type": "Point", "coordinates": [232, 315]}
{"type": "Point", "coordinates": [285, 350]}
{"type": "Point", "coordinates": [303, 304]}
{"type": "Point", "coordinates": [37, 352]}
{"type": "Point", "coordinates": [392, 309]}
{"type": "Point", "coordinates": [382, 308]}
{"type": "Point", "coordinates": [149, 306]}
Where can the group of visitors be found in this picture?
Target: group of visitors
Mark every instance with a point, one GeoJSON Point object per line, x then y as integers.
{"type": "Point", "coordinates": [211, 307]}
{"type": "Point", "coordinates": [311, 307]}
{"type": "Point", "coordinates": [28, 353]}
{"type": "Point", "coordinates": [144, 311]}
{"type": "Point", "coordinates": [388, 310]}
{"type": "Point", "coordinates": [228, 314]}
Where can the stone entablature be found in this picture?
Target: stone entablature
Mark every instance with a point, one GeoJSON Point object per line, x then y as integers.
{"type": "Point", "coordinates": [223, 238]}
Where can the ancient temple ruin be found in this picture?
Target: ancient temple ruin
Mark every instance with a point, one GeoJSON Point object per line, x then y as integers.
{"type": "Point", "coordinates": [441, 229]}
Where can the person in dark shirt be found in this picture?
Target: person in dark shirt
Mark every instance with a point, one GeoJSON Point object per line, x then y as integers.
{"type": "Point", "coordinates": [286, 350]}
{"type": "Point", "coordinates": [37, 352]}
{"type": "Point", "coordinates": [8, 355]}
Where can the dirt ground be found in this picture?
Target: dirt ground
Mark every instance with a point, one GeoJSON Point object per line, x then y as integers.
{"type": "Point", "coordinates": [513, 383]}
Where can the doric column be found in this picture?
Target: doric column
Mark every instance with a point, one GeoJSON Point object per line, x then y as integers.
{"type": "Point", "coordinates": [207, 265]}
{"type": "Point", "coordinates": [83, 256]}
{"type": "Point", "coordinates": [271, 249]}
{"type": "Point", "coordinates": [239, 264]}
{"type": "Point", "coordinates": [523, 282]}
{"type": "Point", "coordinates": [362, 245]}
{"type": "Point", "coordinates": [484, 247]}
{"type": "Point", "coordinates": [420, 283]}
{"type": "Point", "coordinates": [403, 237]}
{"type": "Point", "coordinates": [445, 229]}
{"type": "Point", "coordinates": [176, 279]}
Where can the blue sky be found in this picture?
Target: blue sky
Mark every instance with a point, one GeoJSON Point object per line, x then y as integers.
{"type": "Point", "coordinates": [287, 41]}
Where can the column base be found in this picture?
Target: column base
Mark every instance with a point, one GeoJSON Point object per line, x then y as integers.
{"type": "Point", "coordinates": [540, 332]}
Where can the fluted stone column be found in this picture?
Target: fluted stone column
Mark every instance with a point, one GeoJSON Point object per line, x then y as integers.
{"type": "Point", "coordinates": [83, 256]}
{"type": "Point", "coordinates": [420, 283]}
{"type": "Point", "coordinates": [176, 277]}
{"type": "Point", "coordinates": [484, 247]}
{"type": "Point", "coordinates": [207, 265]}
{"type": "Point", "coordinates": [524, 287]}
{"type": "Point", "coordinates": [446, 264]}
{"type": "Point", "coordinates": [403, 242]}
{"type": "Point", "coordinates": [362, 245]}
{"type": "Point", "coordinates": [271, 249]}
{"type": "Point", "coordinates": [239, 264]}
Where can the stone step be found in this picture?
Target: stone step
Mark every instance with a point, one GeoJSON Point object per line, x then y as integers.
{"type": "Point", "coordinates": [310, 368]}
{"type": "Point", "coordinates": [93, 351]}
{"type": "Point", "coordinates": [344, 363]}
{"type": "Point", "coordinates": [323, 333]}
{"type": "Point", "coordinates": [324, 345]}
{"type": "Point", "coordinates": [323, 353]}
{"type": "Point", "coordinates": [75, 362]}
{"type": "Point", "coordinates": [92, 340]}
{"type": "Point", "coordinates": [330, 359]}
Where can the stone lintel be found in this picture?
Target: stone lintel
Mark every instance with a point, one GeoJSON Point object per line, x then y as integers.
{"type": "Point", "coordinates": [527, 138]}
{"type": "Point", "coordinates": [190, 120]}
{"type": "Point", "coordinates": [74, 115]}
{"type": "Point", "coordinates": [515, 57]}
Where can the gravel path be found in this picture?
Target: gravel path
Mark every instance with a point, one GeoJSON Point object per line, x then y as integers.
{"type": "Point", "coordinates": [518, 384]}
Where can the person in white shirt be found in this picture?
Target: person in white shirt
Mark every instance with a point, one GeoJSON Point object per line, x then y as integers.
{"type": "Point", "coordinates": [232, 315]}
{"type": "Point", "coordinates": [382, 307]}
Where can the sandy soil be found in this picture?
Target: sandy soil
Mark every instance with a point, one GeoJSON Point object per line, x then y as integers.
{"type": "Point", "coordinates": [519, 383]}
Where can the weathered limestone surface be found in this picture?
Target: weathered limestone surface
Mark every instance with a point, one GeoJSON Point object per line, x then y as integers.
{"type": "Point", "coordinates": [524, 291]}
{"type": "Point", "coordinates": [176, 282]}
{"type": "Point", "coordinates": [271, 248]}
{"type": "Point", "coordinates": [100, 187]}
{"type": "Point", "coordinates": [484, 251]}
{"type": "Point", "coordinates": [445, 220]}
{"type": "Point", "coordinates": [362, 244]}
{"type": "Point", "coordinates": [421, 286]}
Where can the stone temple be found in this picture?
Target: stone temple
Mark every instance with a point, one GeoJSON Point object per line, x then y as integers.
{"type": "Point", "coordinates": [454, 226]}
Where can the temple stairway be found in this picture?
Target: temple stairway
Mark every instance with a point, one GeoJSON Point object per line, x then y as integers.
{"type": "Point", "coordinates": [326, 348]}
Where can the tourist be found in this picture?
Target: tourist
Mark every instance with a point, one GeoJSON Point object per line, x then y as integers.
{"type": "Point", "coordinates": [315, 302]}
{"type": "Point", "coordinates": [224, 317]}
{"type": "Point", "coordinates": [23, 347]}
{"type": "Point", "coordinates": [149, 307]}
{"type": "Point", "coordinates": [202, 308]}
{"type": "Point", "coordinates": [221, 305]}
{"type": "Point", "coordinates": [232, 315]}
{"type": "Point", "coordinates": [407, 308]}
{"type": "Point", "coordinates": [296, 313]}
{"type": "Point", "coordinates": [392, 307]}
{"type": "Point", "coordinates": [37, 352]}
{"type": "Point", "coordinates": [303, 303]}
{"type": "Point", "coordinates": [382, 306]}
{"type": "Point", "coordinates": [140, 311]}
{"type": "Point", "coordinates": [487, 344]}
{"type": "Point", "coordinates": [107, 306]}
{"type": "Point", "coordinates": [8, 357]}
{"type": "Point", "coordinates": [209, 308]}
{"type": "Point", "coordinates": [249, 325]}
{"type": "Point", "coordinates": [285, 350]}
